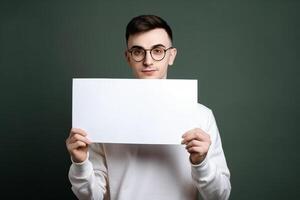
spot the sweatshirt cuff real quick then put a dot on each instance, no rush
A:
(203, 171)
(82, 168)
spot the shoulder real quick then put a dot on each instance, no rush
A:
(204, 111)
(205, 115)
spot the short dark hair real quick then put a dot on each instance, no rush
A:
(144, 23)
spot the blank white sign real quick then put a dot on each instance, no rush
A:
(140, 111)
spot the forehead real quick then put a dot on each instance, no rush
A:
(149, 38)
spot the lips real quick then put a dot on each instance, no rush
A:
(149, 70)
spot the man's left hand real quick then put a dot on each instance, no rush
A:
(197, 144)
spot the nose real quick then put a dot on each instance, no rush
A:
(148, 59)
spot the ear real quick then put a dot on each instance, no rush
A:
(173, 53)
(127, 57)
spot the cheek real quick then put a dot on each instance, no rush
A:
(131, 63)
(164, 65)
(134, 66)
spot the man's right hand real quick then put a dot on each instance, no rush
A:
(77, 145)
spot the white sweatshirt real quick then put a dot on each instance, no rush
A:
(153, 172)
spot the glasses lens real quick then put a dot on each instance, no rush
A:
(158, 53)
(138, 54)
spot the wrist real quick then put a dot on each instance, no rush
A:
(79, 160)
(76, 160)
(197, 160)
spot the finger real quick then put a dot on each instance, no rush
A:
(202, 148)
(77, 131)
(195, 135)
(198, 150)
(76, 145)
(192, 131)
(201, 151)
(78, 137)
(195, 143)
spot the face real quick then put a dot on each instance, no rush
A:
(148, 68)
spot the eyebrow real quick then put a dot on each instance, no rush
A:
(154, 46)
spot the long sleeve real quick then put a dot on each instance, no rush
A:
(212, 176)
(89, 178)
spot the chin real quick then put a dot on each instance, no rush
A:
(144, 76)
(150, 77)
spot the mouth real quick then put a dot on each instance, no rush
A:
(149, 70)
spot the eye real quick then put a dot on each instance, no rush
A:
(137, 52)
(157, 51)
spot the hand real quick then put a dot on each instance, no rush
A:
(77, 145)
(197, 144)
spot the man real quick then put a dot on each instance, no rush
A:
(151, 172)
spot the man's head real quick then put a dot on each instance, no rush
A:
(149, 46)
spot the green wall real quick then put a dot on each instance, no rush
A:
(245, 55)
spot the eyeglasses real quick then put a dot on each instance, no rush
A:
(157, 53)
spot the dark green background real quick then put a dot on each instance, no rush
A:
(245, 55)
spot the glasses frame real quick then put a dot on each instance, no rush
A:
(145, 52)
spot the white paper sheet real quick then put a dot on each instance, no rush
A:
(140, 111)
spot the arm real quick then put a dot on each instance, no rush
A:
(209, 169)
(89, 177)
